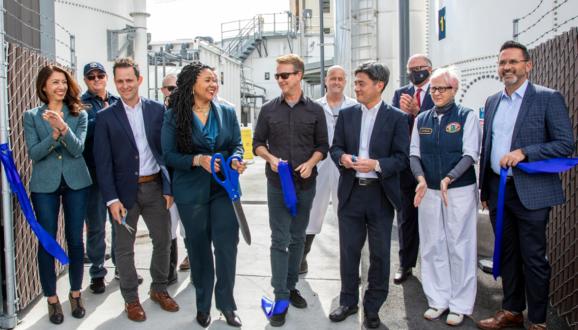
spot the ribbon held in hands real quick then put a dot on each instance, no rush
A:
(48, 242)
(551, 166)
(285, 174)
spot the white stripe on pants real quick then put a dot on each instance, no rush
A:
(448, 248)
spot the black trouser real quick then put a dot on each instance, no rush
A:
(369, 214)
(525, 269)
(407, 223)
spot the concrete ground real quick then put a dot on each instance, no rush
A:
(403, 309)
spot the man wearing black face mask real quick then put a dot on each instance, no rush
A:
(413, 99)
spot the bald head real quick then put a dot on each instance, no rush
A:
(419, 69)
(169, 83)
(335, 81)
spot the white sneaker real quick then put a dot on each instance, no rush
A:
(455, 319)
(433, 313)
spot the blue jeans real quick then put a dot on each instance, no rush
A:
(47, 208)
(95, 231)
(287, 238)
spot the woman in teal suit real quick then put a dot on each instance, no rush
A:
(54, 134)
(195, 128)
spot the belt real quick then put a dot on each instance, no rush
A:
(366, 181)
(149, 178)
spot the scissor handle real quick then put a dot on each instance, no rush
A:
(225, 174)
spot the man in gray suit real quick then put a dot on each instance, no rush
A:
(524, 123)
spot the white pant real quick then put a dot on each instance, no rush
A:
(176, 221)
(325, 189)
(448, 248)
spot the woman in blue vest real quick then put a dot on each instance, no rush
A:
(195, 128)
(445, 145)
(55, 134)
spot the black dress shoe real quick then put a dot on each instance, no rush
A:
(278, 320)
(97, 285)
(232, 318)
(204, 319)
(371, 320)
(297, 299)
(401, 275)
(342, 312)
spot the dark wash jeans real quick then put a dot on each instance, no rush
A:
(47, 208)
(287, 238)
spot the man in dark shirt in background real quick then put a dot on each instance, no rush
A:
(95, 99)
(292, 128)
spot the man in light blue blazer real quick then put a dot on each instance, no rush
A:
(524, 123)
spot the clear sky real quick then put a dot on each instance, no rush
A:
(186, 19)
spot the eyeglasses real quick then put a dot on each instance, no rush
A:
(170, 88)
(418, 68)
(284, 75)
(510, 62)
(100, 76)
(440, 89)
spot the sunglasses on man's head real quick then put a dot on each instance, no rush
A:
(100, 76)
(170, 88)
(284, 75)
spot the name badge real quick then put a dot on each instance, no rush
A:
(453, 127)
(425, 130)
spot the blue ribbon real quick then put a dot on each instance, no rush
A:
(48, 242)
(271, 307)
(287, 186)
(553, 165)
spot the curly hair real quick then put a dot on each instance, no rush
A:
(181, 101)
(72, 97)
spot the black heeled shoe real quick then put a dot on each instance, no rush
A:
(232, 318)
(204, 319)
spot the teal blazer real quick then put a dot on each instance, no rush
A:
(52, 160)
(192, 185)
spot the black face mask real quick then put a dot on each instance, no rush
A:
(417, 77)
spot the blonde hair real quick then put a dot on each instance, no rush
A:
(294, 59)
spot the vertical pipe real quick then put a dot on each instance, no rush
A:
(321, 51)
(403, 40)
(157, 76)
(515, 27)
(8, 319)
(73, 53)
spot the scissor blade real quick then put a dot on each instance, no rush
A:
(243, 225)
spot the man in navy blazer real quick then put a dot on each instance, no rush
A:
(134, 182)
(524, 123)
(370, 147)
(413, 99)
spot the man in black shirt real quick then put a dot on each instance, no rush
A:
(290, 127)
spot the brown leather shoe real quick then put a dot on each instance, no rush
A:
(135, 312)
(502, 319)
(162, 298)
(541, 326)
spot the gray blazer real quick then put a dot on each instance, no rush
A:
(543, 130)
(52, 160)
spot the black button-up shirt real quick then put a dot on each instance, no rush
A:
(292, 134)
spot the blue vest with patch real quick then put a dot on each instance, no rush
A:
(440, 143)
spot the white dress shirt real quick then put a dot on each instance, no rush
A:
(367, 121)
(148, 165)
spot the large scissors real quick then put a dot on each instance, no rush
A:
(231, 185)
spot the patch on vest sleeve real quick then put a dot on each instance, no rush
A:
(425, 130)
(453, 127)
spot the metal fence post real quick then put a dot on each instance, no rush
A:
(8, 319)
(515, 23)
(73, 53)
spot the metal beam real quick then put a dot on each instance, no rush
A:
(403, 40)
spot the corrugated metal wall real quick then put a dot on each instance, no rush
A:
(556, 66)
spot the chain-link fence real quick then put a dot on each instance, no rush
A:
(556, 66)
(28, 41)
(23, 66)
